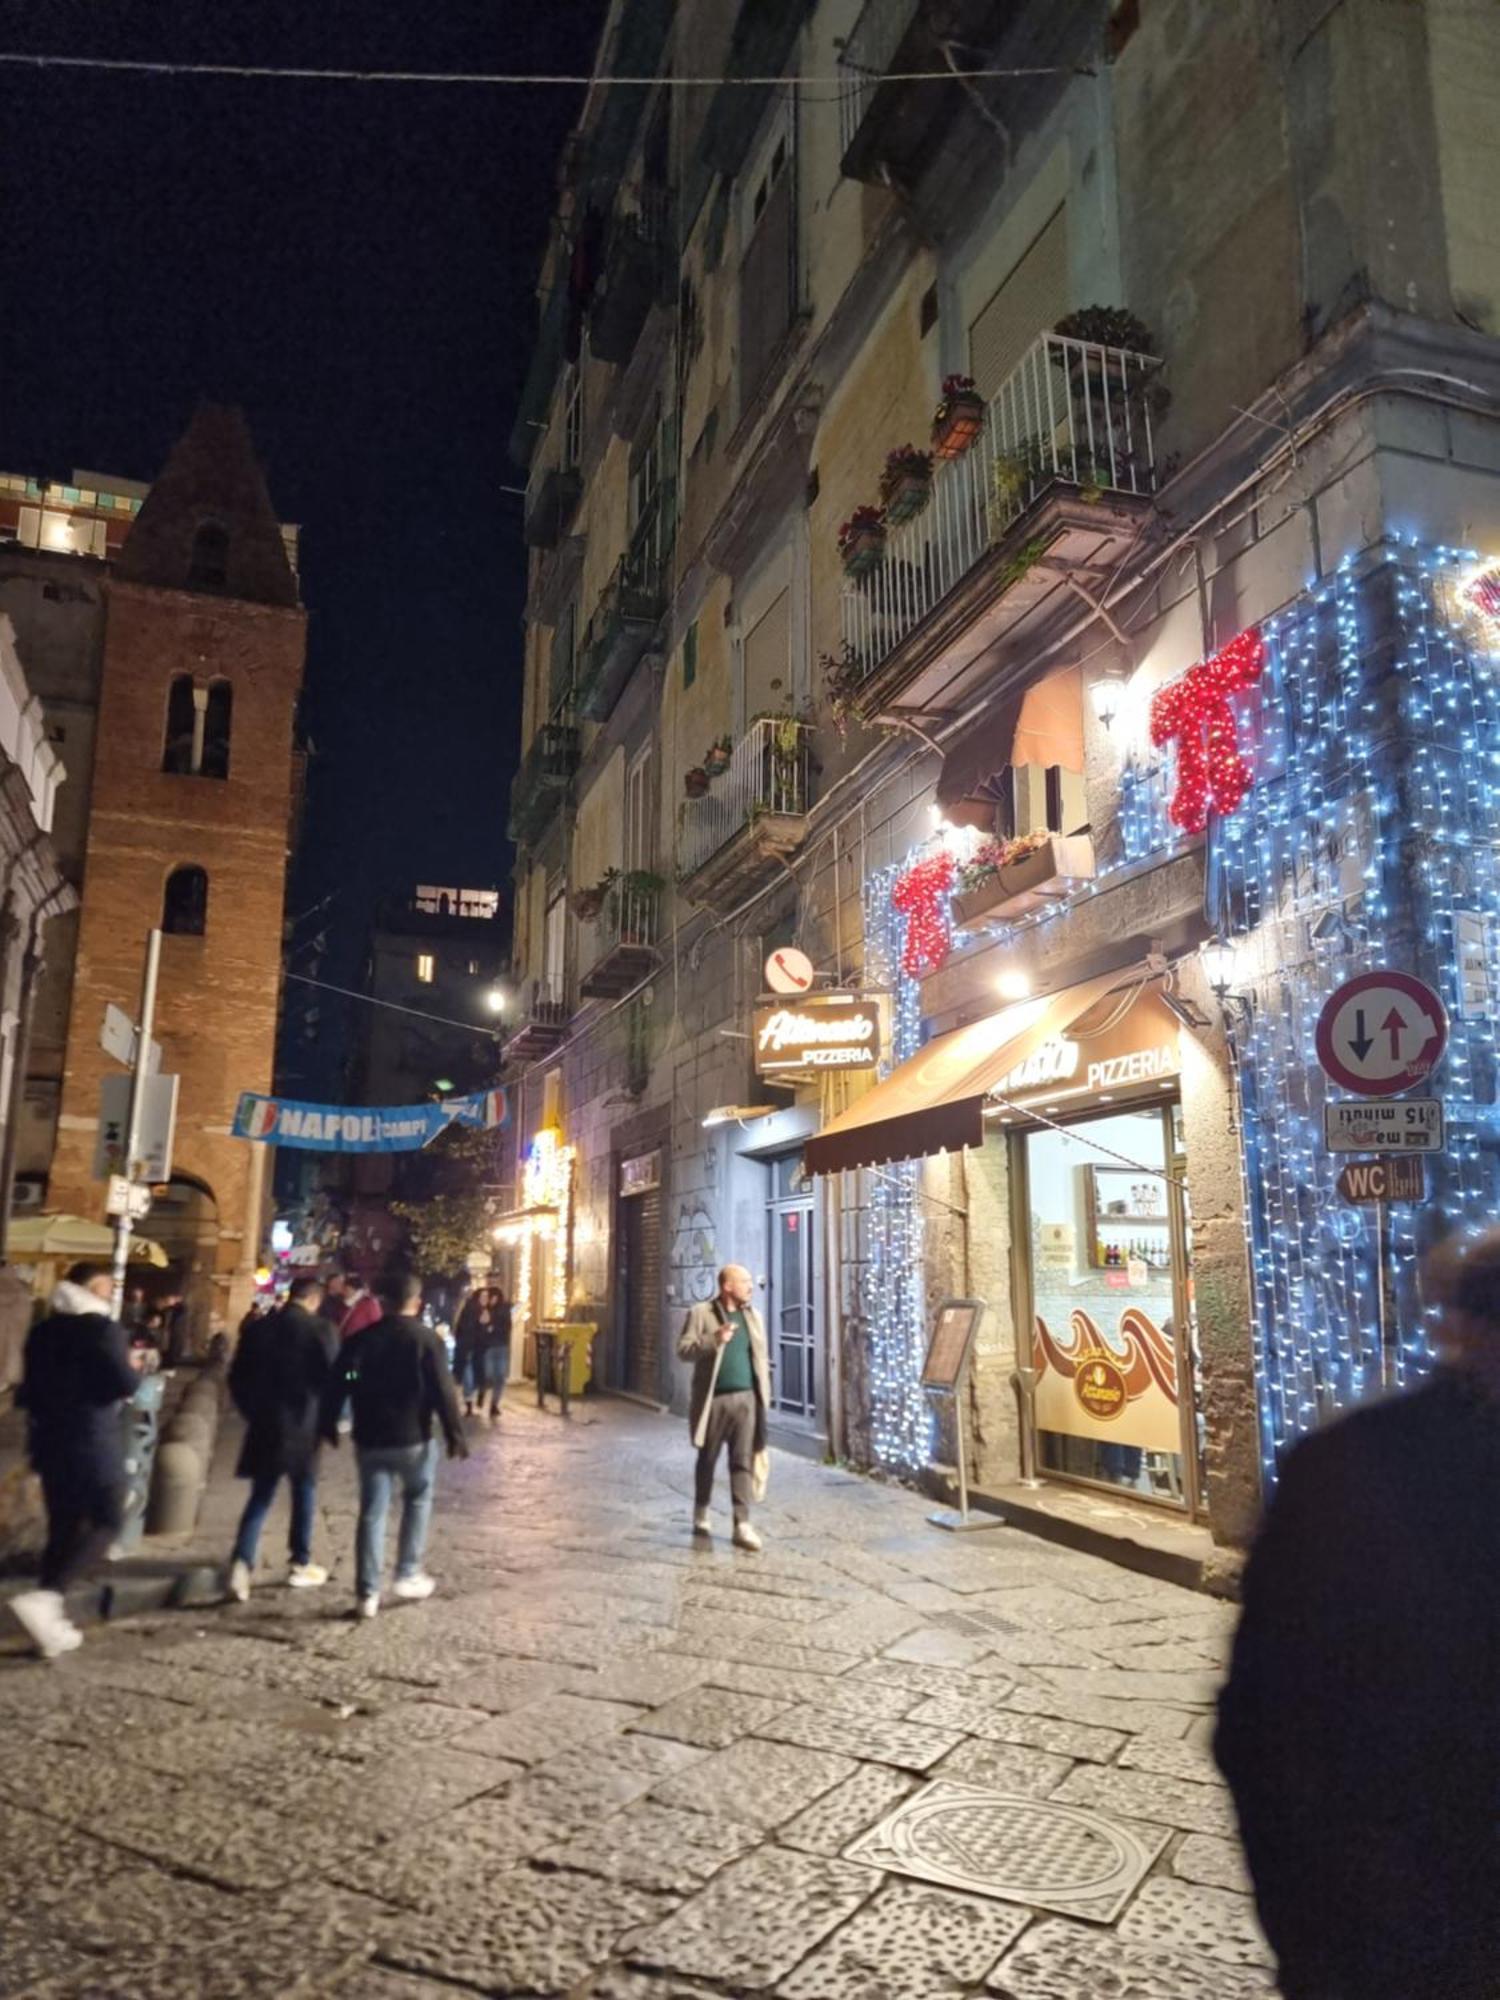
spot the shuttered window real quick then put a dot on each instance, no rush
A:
(767, 281)
(1030, 302)
(768, 658)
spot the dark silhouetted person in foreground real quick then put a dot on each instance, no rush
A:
(78, 1372)
(1360, 1728)
(396, 1373)
(278, 1379)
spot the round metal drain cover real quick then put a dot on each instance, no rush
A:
(1023, 1850)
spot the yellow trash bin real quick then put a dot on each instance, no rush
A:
(578, 1337)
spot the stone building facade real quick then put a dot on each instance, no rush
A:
(170, 664)
(1243, 510)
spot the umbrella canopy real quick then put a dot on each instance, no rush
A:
(74, 1236)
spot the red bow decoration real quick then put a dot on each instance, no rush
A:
(922, 892)
(1484, 593)
(1194, 712)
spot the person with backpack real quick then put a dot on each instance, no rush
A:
(278, 1377)
(396, 1374)
(78, 1373)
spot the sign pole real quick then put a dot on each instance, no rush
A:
(1387, 1371)
(138, 1074)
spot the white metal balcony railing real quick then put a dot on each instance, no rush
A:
(1070, 410)
(769, 774)
(546, 1003)
(865, 58)
(628, 918)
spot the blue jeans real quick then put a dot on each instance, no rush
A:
(414, 1467)
(263, 1487)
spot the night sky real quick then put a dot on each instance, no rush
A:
(356, 266)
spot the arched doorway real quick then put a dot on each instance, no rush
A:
(184, 1220)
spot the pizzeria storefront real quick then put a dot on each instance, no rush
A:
(1067, 1110)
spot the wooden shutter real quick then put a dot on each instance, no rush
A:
(1031, 301)
(767, 290)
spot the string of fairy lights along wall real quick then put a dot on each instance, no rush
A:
(1369, 832)
(893, 1294)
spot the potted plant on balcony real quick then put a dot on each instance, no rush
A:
(843, 677)
(862, 541)
(717, 761)
(958, 418)
(1106, 326)
(1008, 878)
(905, 484)
(587, 903)
(695, 782)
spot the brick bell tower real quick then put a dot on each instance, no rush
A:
(189, 826)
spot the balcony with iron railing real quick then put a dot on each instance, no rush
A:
(543, 780)
(622, 626)
(753, 815)
(638, 268)
(541, 1022)
(888, 124)
(623, 947)
(552, 496)
(1053, 484)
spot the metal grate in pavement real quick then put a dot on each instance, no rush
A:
(1055, 1857)
(982, 1622)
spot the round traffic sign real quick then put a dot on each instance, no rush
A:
(789, 971)
(1381, 1033)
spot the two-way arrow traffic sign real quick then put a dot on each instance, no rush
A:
(1404, 1045)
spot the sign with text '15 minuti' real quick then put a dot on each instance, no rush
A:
(1381, 1033)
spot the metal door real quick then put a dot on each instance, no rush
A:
(791, 1320)
(641, 1231)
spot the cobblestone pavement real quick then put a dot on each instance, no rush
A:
(875, 1760)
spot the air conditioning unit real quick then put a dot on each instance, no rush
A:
(27, 1197)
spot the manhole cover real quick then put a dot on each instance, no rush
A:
(1022, 1850)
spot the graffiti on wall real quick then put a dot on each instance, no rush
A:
(694, 1257)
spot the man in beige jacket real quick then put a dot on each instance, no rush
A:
(726, 1343)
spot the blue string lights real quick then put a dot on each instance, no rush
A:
(1367, 843)
(894, 1296)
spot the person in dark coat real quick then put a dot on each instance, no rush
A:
(396, 1373)
(77, 1373)
(278, 1378)
(1360, 1726)
(481, 1359)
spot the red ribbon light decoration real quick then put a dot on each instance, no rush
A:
(922, 893)
(1193, 711)
(1483, 592)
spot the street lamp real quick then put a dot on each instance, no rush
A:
(497, 999)
(1108, 696)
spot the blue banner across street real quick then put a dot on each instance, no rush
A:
(373, 1128)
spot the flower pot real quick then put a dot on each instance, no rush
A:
(1046, 875)
(586, 906)
(695, 783)
(716, 763)
(908, 497)
(958, 422)
(864, 551)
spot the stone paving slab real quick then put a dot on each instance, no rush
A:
(1217, 1863)
(1131, 1718)
(1005, 1767)
(910, 1940)
(656, 1847)
(762, 1784)
(1144, 1795)
(830, 1823)
(1057, 1960)
(542, 1933)
(1184, 1916)
(1002, 1725)
(905, 1744)
(713, 1718)
(756, 1920)
(532, 1734)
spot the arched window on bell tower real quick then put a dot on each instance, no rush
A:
(208, 566)
(184, 903)
(218, 713)
(181, 730)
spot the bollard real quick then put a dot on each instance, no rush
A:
(1024, 1382)
(175, 1489)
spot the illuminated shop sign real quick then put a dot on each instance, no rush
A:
(820, 1031)
(440, 902)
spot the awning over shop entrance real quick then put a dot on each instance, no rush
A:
(934, 1102)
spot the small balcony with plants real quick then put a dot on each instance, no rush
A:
(541, 1021)
(745, 807)
(621, 629)
(980, 538)
(543, 781)
(618, 918)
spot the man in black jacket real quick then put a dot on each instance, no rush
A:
(1360, 1727)
(77, 1372)
(396, 1372)
(278, 1379)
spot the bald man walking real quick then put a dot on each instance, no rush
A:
(726, 1343)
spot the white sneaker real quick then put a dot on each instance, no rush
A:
(306, 1576)
(745, 1536)
(239, 1582)
(703, 1522)
(414, 1587)
(47, 1625)
(366, 1607)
